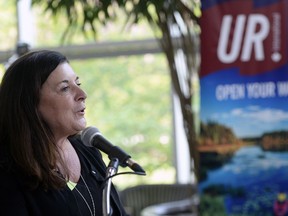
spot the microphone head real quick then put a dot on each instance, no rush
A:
(88, 134)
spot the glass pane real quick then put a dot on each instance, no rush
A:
(129, 101)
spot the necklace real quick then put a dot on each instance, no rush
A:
(90, 194)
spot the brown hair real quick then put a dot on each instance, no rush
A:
(26, 141)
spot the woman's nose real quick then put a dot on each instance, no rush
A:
(81, 94)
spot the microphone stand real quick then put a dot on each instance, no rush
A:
(111, 170)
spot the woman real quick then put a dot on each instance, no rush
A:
(45, 168)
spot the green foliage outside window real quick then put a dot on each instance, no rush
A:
(129, 102)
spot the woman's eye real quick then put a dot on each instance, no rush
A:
(65, 88)
(79, 84)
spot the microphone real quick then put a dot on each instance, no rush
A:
(91, 136)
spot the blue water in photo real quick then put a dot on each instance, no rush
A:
(261, 174)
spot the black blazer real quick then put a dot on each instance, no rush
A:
(16, 200)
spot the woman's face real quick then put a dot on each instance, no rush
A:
(62, 102)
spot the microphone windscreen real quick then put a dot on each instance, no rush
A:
(88, 134)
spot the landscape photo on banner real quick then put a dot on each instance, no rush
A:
(243, 142)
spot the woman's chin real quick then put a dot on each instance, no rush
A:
(81, 125)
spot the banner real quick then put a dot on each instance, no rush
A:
(244, 107)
